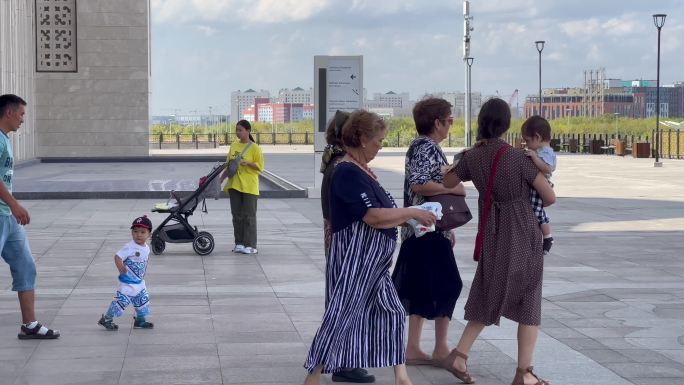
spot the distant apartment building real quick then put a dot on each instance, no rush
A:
(671, 99)
(258, 102)
(249, 114)
(400, 104)
(277, 112)
(391, 100)
(296, 95)
(571, 102)
(458, 101)
(239, 101)
(601, 96)
(188, 120)
(308, 112)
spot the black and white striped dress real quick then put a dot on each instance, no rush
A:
(363, 324)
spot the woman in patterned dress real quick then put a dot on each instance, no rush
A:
(426, 275)
(508, 279)
(363, 324)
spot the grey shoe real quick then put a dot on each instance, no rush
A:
(108, 323)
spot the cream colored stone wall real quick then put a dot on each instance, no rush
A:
(17, 63)
(102, 109)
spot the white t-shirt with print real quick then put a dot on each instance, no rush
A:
(134, 257)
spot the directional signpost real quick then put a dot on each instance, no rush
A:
(338, 85)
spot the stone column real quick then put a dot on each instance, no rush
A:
(17, 58)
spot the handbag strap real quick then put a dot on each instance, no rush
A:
(488, 201)
(244, 150)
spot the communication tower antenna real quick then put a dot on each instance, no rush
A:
(467, 60)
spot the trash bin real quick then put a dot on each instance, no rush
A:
(555, 144)
(641, 150)
(595, 146)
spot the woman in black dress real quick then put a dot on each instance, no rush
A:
(426, 275)
(363, 324)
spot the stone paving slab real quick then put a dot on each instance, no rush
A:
(613, 307)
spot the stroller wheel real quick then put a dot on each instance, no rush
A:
(203, 243)
(158, 245)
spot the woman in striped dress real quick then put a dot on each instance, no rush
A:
(363, 324)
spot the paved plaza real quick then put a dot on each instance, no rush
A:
(613, 309)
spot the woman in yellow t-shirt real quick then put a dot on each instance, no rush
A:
(243, 188)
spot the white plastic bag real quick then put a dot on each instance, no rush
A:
(420, 230)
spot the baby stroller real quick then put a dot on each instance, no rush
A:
(176, 228)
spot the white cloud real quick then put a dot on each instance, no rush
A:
(207, 30)
(581, 28)
(623, 26)
(671, 40)
(361, 43)
(274, 11)
(168, 10)
(595, 54)
(235, 11)
(515, 28)
(408, 45)
(384, 6)
(338, 50)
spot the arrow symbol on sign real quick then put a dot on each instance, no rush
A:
(353, 77)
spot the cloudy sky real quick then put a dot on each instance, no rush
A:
(204, 49)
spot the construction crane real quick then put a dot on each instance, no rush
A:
(514, 95)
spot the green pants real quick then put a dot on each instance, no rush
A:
(243, 207)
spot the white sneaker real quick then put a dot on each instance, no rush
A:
(239, 249)
(249, 250)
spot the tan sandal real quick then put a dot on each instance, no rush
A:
(519, 378)
(448, 364)
(419, 361)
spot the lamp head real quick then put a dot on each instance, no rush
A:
(469, 61)
(659, 20)
(540, 45)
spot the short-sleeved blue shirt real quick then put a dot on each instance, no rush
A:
(547, 155)
(352, 193)
(6, 169)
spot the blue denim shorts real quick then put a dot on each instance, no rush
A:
(15, 251)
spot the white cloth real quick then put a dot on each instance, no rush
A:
(420, 230)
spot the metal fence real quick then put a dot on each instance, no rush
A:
(178, 141)
(671, 142)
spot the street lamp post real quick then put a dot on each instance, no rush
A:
(540, 48)
(659, 21)
(209, 122)
(617, 132)
(469, 107)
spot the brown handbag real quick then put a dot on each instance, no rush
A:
(455, 211)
